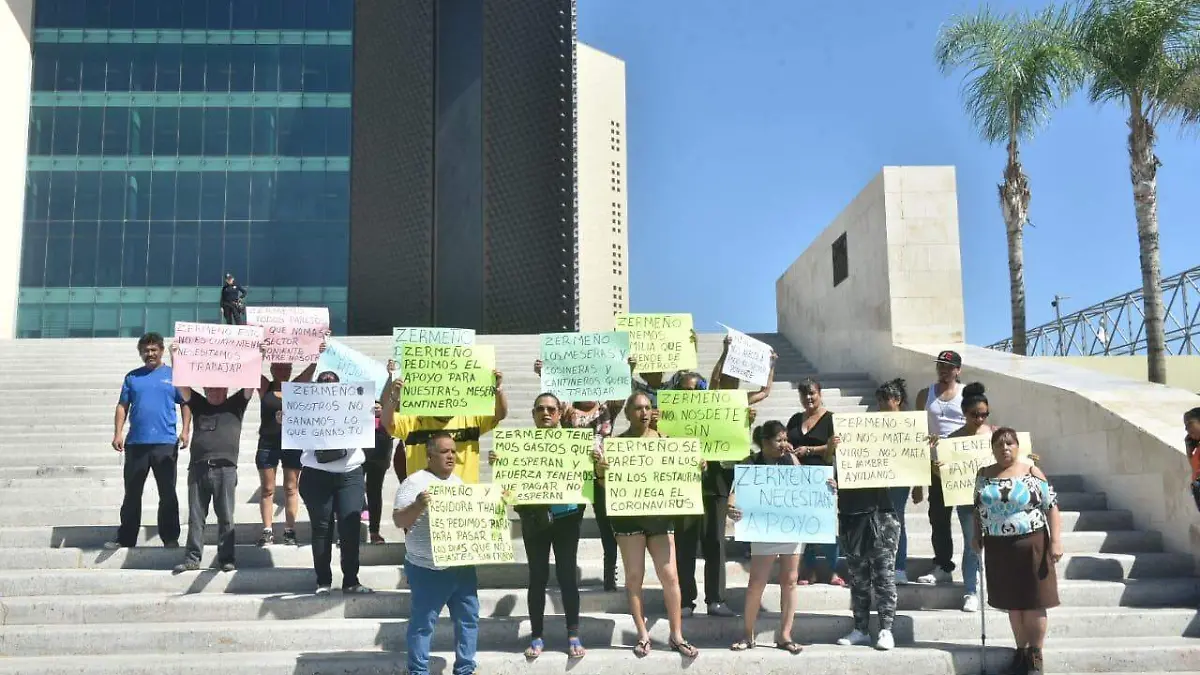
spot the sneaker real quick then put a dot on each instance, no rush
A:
(228, 567)
(266, 538)
(687, 612)
(323, 590)
(937, 576)
(289, 538)
(1033, 657)
(856, 638)
(187, 566)
(170, 543)
(885, 642)
(720, 609)
(113, 545)
(901, 577)
(970, 603)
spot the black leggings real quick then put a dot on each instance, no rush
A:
(607, 539)
(563, 536)
(375, 473)
(333, 499)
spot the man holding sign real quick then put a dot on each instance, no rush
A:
(433, 587)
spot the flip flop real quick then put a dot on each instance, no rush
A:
(789, 646)
(535, 649)
(642, 648)
(684, 648)
(575, 648)
(743, 645)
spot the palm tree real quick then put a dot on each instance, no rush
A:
(1018, 68)
(1145, 54)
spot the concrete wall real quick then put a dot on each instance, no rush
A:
(603, 194)
(16, 33)
(1183, 372)
(895, 312)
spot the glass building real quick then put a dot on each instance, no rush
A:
(172, 141)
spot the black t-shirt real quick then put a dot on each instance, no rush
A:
(818, 435)
(231, 294)
(270, 431)
(760, 458)
(217, 429)
(863, 500)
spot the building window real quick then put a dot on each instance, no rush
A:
(841, 263)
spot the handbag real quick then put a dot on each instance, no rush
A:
(327, 456)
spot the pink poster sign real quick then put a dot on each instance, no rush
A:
(216, 355)
(293, 334)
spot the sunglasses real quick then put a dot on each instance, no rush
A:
(545, 408)
(980, 415)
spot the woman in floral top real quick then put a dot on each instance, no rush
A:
(1018, 527)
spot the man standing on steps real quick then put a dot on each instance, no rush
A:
(432, 587)
(148, 401)
(233, 302)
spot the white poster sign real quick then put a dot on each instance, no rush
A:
(328, 415)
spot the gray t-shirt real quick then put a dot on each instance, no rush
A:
(418, 549)
(217, 429)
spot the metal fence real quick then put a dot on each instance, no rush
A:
(1117, 326)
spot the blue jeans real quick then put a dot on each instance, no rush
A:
(970, 559)
(828, 551)
(899, 502)
(430, 591)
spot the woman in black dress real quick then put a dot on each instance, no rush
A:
(809, 433)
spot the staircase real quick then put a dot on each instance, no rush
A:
(67, 606)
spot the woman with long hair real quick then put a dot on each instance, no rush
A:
(892, 396)
(271, 454)
(809, 433)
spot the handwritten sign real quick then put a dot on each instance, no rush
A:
(748, 360)
(586, 366)
(661, 343)
(352, 365)
(216, 355)
(442, 381)
(962, 458)
(451, 337)
(468, 525)
(293, 334)
(882, 449)
(791, 504)
(545, 466)
(716, 417)
(328, 415)
(652, 476)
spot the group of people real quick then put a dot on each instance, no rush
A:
(1014, 517)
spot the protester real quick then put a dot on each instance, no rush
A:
(217, 414)
(464, 429)
(638, 534)
(892, 397)
(774, 449)
(1191, 424)
(650, 383)
(551, 527)
(148, 401)
(233, 302)
(869, 530)
(432, 588)
(1019, 529)
(942, 402)
(331, 486)
(809, 433)
(975, 407)
(724, 381)
(271, 454)
(379, 458)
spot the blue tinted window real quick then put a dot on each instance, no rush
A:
(216, 63)
(211, 236)
(269, 15)
(118, 68)
(33, 254)
(144, 60)
(45, 66)
(45, 14)
(336, 199)
(195, 13)
(192, 70)
(337, 132)
(115, 139)
(216, 131)
(241, 68)
(341, 14)
(220, 14)
(212, 195)
(263, 141)
(95, 14)
(58, 255)
(133, 268)
(112, 195)
(170, 14)
(266, 69)
(141, 131)
(66, 131)
(289, 130)
(187, 254)
(62, 195)
(108, 254)
(166, 131)
(262, 195)
(70, 66)
(94, 72)
(291, 68)
(37, 195)
(146, 13)
(137, 198)
(338, 69)
(91, 130)
(41, 130)
(162, 195)
(243, 15)
(241, 129)
(120, 13)
(168, 65)
(187, 196)
(159, 253)
(237, 196)
(237, 249)
(191, 131)
(292, 17)
(83, 254)
(87, 195)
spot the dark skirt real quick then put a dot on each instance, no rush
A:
(1020, 573)
(650, 526)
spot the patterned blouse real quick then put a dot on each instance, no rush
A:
(1009, 507)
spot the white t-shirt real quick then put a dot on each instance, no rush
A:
(418, 549)
(352, 460)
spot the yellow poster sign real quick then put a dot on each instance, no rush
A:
(661, 343)
(448, 380)
(653, 476)
(882, 449)
(717, 417)
(545, 466)
(468, 525)
(961, 459)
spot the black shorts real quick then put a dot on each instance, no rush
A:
(270, 459)
(650, 526)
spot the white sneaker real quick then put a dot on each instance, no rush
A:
(970, 603)
(937, 576)
(901, 577)
(323, 590)
(885, 641)
(856, 638)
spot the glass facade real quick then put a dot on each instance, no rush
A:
(172, 141)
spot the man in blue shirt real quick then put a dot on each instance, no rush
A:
(148, 401)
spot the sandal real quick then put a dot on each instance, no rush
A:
(684, 648)
(742, 645)
(575, 648)
(642, 648)
(835, 580)
(536, 646)
(789, 646)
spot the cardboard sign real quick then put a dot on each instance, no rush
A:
(217, 355)
(328, 415)
(443, 381)
(586, 366)
(661, 343)
(652, 476)
(717, 417)
(468, 525)
(785, 504)
(293, 334)
(882, 449)
(545, 466)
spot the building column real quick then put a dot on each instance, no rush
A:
(16, 35)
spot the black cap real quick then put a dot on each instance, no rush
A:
(950, 358)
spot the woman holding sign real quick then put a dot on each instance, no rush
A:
(271, 453)
(809, 433)
(774, 448)
(1019, 528)
(638, 534)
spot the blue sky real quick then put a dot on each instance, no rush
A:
(751, 124)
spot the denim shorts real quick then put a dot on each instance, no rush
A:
(270, 459)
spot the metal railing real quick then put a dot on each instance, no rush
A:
(1116, 327)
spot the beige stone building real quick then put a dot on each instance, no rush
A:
(603, 241)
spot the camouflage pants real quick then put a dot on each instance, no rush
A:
(869, 541)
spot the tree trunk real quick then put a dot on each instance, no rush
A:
(1143, 172)
(1014, 207)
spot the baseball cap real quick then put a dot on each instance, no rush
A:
(950, 358)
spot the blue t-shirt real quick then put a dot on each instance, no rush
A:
(152, 400)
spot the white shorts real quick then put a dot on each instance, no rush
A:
(770, 548)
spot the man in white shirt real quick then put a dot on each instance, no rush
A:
(431, 587)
